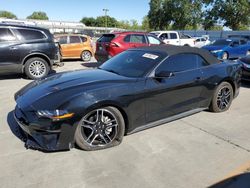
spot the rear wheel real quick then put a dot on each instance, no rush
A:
(36, 68)
(225, 55)
(223, 97)
(99, 129)
(86, 55)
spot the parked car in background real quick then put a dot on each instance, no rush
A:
(75, 46)
(174, 38)
(247, 37)
(28, 50)
(232, 48)
(246, 68)
(135, 90)
(201, 41)
(109, 45)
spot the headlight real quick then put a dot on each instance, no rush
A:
(216, 51)
(55, 115)
(246, 65)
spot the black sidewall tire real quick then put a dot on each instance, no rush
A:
(227, 56)
(88, 58)
(213, 106)
(27, 64)
(121, 131)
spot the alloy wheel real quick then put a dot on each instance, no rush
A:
(224, 98)
(225, 56)
(86, 56)
(37, 68)
(99, 127)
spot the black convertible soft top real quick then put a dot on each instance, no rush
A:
(173, 50)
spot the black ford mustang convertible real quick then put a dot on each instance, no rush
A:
(138, 89)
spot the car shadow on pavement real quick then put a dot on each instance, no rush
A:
(12, 76)
(238, 181)
(91, 64)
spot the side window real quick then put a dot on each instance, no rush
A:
(84, 39)
(74, 39)
(173, 36)
(127, 38)
(135, 38)
(153, 40)
(235, 43)
(179, 62)
(201, 62)
(31, 34)
(203, 40)
(62, 40)
(164, 36)
(6, 35)
(243, 42)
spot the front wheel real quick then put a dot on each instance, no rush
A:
(99, 129)
(36, 68)
(222, 99)
(224, 55)
(86, 55)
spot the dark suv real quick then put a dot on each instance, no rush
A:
(109, 45)
(29, 50)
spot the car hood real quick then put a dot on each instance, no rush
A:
(60, 87)
(212, 48)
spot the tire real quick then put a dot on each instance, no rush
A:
(186, 45)
(41, 66)
(224, 56)
(86, 55)
(94, 132)
(222, 98)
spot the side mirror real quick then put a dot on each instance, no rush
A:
(163, 74)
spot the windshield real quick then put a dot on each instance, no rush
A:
(155, 33)
(133, 63)
(106, 38)
(221, 42)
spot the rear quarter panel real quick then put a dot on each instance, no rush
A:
(213, 75)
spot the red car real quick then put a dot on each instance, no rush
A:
(109, 45)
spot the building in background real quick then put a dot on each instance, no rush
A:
(62, 26)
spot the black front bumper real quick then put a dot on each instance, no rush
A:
(245, 75)
(44, 139)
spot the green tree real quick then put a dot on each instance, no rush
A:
(180, 14)
(234, 14)
(7, 14)
(156, 15)
(89, 21)
(38, 16)
(145, 24)
(134, 25)
(124, 24)
(101, 21)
